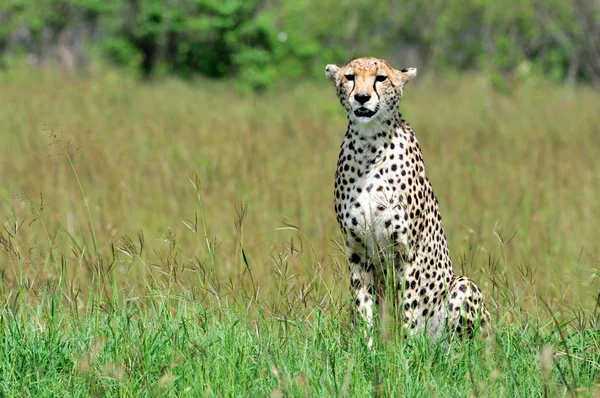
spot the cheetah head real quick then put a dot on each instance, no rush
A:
(369, 88)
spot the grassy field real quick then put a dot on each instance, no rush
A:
(179, 238)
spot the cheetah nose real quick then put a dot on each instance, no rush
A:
(362, 98)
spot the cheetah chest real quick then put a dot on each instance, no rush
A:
(373, 210)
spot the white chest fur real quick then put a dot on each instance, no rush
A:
(370, 198)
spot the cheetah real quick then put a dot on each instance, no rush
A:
(388, 213)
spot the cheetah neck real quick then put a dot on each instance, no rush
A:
(369, 141)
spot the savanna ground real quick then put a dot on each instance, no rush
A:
(179, 238)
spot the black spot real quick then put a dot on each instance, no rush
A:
(355, 258)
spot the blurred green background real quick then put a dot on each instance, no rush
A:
(261, 42)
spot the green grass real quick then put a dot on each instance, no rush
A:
(161, 346)
(179, 238)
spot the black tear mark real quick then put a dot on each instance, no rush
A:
(375, 89)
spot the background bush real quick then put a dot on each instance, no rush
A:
(258, 41)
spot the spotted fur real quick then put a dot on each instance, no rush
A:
(387, 210)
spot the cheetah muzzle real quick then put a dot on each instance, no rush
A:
(364, 112)
(388, 213)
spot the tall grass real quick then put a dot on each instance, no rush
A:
(179, 237)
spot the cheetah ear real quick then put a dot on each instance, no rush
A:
(405, 74)
(331, 71)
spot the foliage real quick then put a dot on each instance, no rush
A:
(214, 38)
(259, 42)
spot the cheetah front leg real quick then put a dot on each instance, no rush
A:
(465, 308)
(363, 291)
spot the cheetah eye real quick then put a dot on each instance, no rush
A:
(381, 78)
(349, 77)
